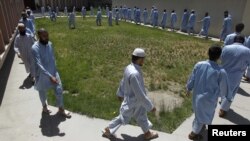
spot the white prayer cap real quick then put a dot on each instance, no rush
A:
(139, 52)
(20, 25)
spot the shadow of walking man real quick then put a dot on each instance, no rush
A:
(129, 138)
(49, 125)
(27, 83)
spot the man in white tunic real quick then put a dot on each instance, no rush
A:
(46, 74)
(235, 59)
(22, 47)
(135, 103)
(207, 81)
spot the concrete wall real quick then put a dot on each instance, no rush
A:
(10, 13)
(237, 9)
(70, 3)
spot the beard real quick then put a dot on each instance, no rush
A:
(22, 33)
(44, 42)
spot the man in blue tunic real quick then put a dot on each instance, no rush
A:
(72, 22)
(110, 18)
(83, 11)
(135, 103)
(207, 81)
(227, 26)
(99, 18)
(173, 20)
(129, 14)
(191, 22)
(152, 16)
(247, 75)
(117, 17)
(46, 74)
(184, 21)
(138, 16)
(164, 19)
(145, 16)
(155, 23)
(65, 11)
(205, 25)
(91, 11)
(230, 38)
(27, 22)
(235, 59)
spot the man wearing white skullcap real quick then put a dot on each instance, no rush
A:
(135, 102)
(22, 46)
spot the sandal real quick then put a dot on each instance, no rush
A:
(106, 134)
(193, 136)
(151, 136)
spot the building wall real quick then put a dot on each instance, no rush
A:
(237, 9)
(10, 13)
(70, 3)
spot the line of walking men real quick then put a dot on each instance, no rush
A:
(208, 80)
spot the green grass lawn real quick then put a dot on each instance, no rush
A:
(91, 60)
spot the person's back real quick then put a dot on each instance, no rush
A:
(173, 17)
(235, 58)
(208, 80)
(206, 23)
(99, 15)
(230, 38)
(247, 42)
(191, 20)
(207, 72)
(228, 24)
(71, 17)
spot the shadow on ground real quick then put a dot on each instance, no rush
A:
(243, 92)
(236, 118)
(49, 125)
(128, 138)
(5, 72)
(27, 83)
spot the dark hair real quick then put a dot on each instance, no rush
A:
(185, 10)
(214, 52)
(193, 12)
(135, 58)
(173, 11)
(239, 27)
(226, 13)
(164, 10)
(239, 39)
(206, 14)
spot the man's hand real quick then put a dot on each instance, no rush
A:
(153, 110)
(53, 80)
(188, 93)
(120, 98)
